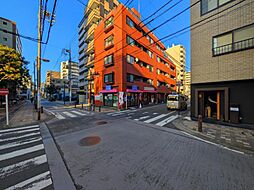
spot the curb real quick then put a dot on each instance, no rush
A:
(59, 173)
(200, 136)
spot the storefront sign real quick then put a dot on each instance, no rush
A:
(97, 97)
(149, 88)
(108, 87)
(4, 91)
(134, 87)
(121, 100)
(81, 98)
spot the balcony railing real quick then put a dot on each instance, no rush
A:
(233, 47)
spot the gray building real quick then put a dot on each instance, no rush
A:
(222, 60)
(10, 40)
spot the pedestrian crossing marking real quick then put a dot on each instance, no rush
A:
(155, 113)
(21, 131)
(59, 116)
(20, 137)
(38, 182)
(21, 152)
(144, 117)
(15, 144)
(19, 128)
(76, 112)
(156, 118)
(166, 121)
(69, 114)
(15, 168)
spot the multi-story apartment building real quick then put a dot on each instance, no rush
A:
(96, 10)
(8, 39)
(177, 55)
(70, 72)
(187, 84)
(51, 75)
(222, 58)
(130, 62)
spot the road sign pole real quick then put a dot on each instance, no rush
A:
(7, 111)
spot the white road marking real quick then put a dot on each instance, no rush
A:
(22, 131)
(38, 182)
(19, 128)
(20, 166)
(69, 114)
(155, 113)
(144, 117)
(78, 113)
(14, 144)
(20, 137)
(59, 116)
(156, 118)
(21, 152)
(167, 120)
(145, 112)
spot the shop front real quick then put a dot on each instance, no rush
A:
(133, 97)
(149, 96)
(110, 97)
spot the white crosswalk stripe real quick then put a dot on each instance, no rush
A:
(23, 155)
(78, 113)
(69, 114)
(156, 118)
(144, 117)
(167, 120)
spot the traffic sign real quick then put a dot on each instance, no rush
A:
(4, 91)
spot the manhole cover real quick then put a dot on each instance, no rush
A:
(89, 141)
(101, 122)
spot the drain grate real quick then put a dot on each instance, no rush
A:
(101, 122)
(89, 141)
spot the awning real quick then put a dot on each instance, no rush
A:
(149, 91)
(135, 91)
(109, 91)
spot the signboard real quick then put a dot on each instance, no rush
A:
(134, 87)
(121, 98)
(4, 91)
(108, 87)
(149, 88)
(81, 98)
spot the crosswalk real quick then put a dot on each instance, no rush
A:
(69, 113)
(147, 117)
(23, 162)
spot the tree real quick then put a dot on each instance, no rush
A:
(50, 89)
(13, 70)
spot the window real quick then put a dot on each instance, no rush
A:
(109, 22)
(158, 59)
(5, 39)
(130, 41)
(130, 22)
(109, 41)
(236, 40)
(150, 53)
(209, 5)
(109, 78)
(130, 59)
(130, 78)
(4, 23)
(109, 60)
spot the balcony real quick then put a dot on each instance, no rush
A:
(94, 16)
(90, 47)
(234, 47)
(92, 4)
(90, 32)
(90, 61)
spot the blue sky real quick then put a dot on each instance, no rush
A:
(64, 33)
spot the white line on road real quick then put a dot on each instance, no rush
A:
(22, 131)
(20, 166)
(19, 128)
(144, 117)
(59, 116)
(38, 182)
(155, 113)
(156, 118)
(167, 120)
(69, 114)
(20, 137)
(145, 112)
(78, 113)
(21, 152)
(14, 144)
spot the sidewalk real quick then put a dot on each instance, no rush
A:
(231, 137)
(26, 115)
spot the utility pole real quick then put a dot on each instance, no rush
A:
(69, 71)
(39, 62)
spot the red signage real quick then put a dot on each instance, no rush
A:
(4, 91)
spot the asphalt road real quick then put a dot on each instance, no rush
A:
(133, 154)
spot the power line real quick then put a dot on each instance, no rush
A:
(20, 35)
(44, 16)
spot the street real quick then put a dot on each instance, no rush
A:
(124, 153)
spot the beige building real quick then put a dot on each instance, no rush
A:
(222, 60)
(93, 14)
(10, 40)
(177, 54)
(188, 84)
(51, 76)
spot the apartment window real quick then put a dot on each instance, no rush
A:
(150, 53)
(130, 41)
(4, 23)
(109, 78)
(130, 78)
(235, 40)
(158, 59)
(130, 22)
(109, 60)
(5, 39)
(109, 22)
(209, 5)
(109, 41)
(130, 59)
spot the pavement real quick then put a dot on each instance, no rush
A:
(239, 139)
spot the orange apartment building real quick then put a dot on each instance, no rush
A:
(128, 66)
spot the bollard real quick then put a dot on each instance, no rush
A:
(199, 123)
(99, 108)
(75, 105)
(41, 109)
(82, 106)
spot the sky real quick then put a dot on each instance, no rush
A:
(64, 33)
